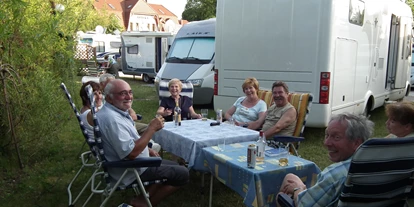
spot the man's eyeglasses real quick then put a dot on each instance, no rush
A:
(124, 93)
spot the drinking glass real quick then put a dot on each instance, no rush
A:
(204, 114)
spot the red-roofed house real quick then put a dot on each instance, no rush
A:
(138, 15)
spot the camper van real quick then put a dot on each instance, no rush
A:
(143, 53)
(103, 43)
(191, 59)
(352, 55)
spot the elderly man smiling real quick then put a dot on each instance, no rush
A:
(344, 134)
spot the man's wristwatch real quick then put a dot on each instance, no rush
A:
(295, 189)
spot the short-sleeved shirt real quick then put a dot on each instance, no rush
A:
(328, 187)
(245, 114)
(118, 139)
(274, 114)
(169, 103)
(88, 127)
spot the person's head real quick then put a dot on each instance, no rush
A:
(280, 93)
(106, 57)
(345, 133)
(119, 93)
(175, 86)
(400, 118)
(96, 90)
(250, 85)
(104, 79)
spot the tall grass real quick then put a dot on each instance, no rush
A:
(44, 183)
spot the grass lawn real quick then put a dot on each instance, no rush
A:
(44, 182)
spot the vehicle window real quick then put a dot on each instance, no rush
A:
(86, 41)
(132, 49)
(115, 44)
(193, 48)
(100, 46)
(356, 12)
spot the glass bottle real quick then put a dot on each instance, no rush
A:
(261, 145)
(177, 114)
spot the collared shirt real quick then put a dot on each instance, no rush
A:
(328, 187)
(118, 138)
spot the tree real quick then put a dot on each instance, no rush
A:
(196, 10)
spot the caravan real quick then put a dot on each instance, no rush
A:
(191, 59)
(352, 55)
(143, 53)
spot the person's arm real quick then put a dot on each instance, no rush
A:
(193, 113)
(132, 114)
(140, 144)
(258, 123)
(229, 113)
(287, 119)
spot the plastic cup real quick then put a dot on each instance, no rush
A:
(204, 114)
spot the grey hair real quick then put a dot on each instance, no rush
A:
(358, 127)
(108, 89)
(105, 77)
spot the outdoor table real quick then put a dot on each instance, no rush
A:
(258, 186)
(187, 140)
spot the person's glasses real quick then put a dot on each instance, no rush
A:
(125, 93)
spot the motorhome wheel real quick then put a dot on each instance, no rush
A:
(146, 78)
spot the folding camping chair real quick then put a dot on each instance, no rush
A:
(87, 157)
(302, 103)
(128, 165)
(380, 175)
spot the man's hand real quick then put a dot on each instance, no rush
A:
(156, 124)
(153, 153)
(291, 184)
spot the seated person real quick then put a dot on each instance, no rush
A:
(112, 66)
(121, 141)
(247, 110)
(400, 121)
(344, 134)
(281, 117)
(168, 104)
(85, 112)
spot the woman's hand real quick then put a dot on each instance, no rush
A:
(198, 116)
(238, 123)
(167, 112)
(153, 153)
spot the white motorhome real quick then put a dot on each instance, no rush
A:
(103, 43)
(143, 52)
(352, 55)
(191, 59)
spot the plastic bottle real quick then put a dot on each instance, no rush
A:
(177, 114)
(261, 145)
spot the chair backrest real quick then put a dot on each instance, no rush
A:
(302, 103)
(380, 174)
(89, 140)
(187, 90)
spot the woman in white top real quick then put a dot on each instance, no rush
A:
(86, 115)
(247, 110)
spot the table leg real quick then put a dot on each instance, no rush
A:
(202, 188)
(211, 189)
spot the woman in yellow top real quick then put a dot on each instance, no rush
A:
(400, 121)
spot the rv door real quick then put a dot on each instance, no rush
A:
(399, 53)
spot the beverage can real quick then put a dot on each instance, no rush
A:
(219, 115)
(251, 156)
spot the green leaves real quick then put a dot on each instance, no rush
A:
(196, 10)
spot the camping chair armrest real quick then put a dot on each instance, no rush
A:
(285, 201)
(139, 116)
(283, 138)
(136, 163)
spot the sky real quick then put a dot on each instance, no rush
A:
(175, 6)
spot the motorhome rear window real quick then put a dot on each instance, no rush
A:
(115, 44)
(132, 49)
(356, 12)
(193, 48)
